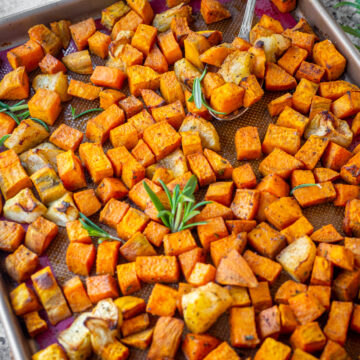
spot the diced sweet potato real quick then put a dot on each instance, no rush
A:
(269, 322)
(353, 245)
(322, 293)
(247, 143)
(76, 295)
(260, 296)
(214, 210)
(173, 113)
(213, 11)
(292, 59)
(11, 236)
(189, 259)
(162, 301)
(107, 257)
(127, 278)
(132, 222)
(311, 152)
(265, 240)
(325, 174)
(212, 231)
(137, 245)
(287, 318)
(111, 188)
(197, 346)
(223, 351)
(28, 55)
(281, 137)
(245, 204)
(82, 31)
(82, 90)
(101, 287)
(80, 258)
(287, 290)
(135, 324)
(108, 77)
(61, 29)
(156, 60)
(313, 195)
(49, 41)
(355, 319)
(346, 285)
(337, 254)
(270, 347)
(308, 337)
(298, 229)
(310, 71)
(109, 97)
(318, 104)
(276, 106)
(87, 202)
(201, 168)
(277, 79)
(303, 95)
(292, 119)
(327, 234)
(99, 44)
(66, 137)
(35, 325)
(15, 85)
(170, 88)
(227, 98)
(76, 232)
(23, 300)
(322, 272)
(169, 47)
(53, 350)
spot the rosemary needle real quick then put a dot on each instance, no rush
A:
(84, 112)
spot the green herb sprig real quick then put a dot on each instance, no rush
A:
(41, 123)
(355, 32)
(96, 231)
(303, 186)
(13, 108)
(73, 112)
(182, 205)
(198, 97)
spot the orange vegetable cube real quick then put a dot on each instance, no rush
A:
(189, 259)
(326, 55)
(274, 185)
(48, 40)
(61, 29)
(308, 337)
(135, 324)
(227, 98)
(325, 174)
(337, 254)
(101, 287)
(346, 285)
(7, 124)
(349, 171)
(151, 99)
(197, 346)
(266, 199)
(243, 332)
(113, 212)
(262, 267)
(99, 44)
(80, 258)
(247, 143)
(35, 325)
(221, 166)
(124, 135)
(178, 243)
(355, 319)
(211, 82)
(169, 47)
(108, 77)
(213, 210)
(292, 59)
(287, 319)
(141, 121)
(70, 170)
(28, 55)
(111, 188)
(260, 296)
(155, 232)
(137, 245)
(212, 231)
(110, 97)
(76, 232)
(132, 222)
(87, 202)
(96, 162)
(277, 79)
(245, 204)
(51, 65)
(156, 60)
(223, 351)
(244, 177)
(334, 89)
(139, 196)
(15, 85)
(190, 142)
(314, 195)
(303, 95)
(82, 31)
(162, 301)
(202, 274)
(287, 290)
(347, 105)
(322, 293)
(130, 22)
(49, 293)
(39, 235)
(143, 154)
(170, 88)
(333, 350)
(127, 278)
(173, 113)
(51, 351)
(253, 91)
(269, 322)
(131, 106)
(298, 229)
(115, 156)
(144, 38)
(107, 257)
(311, 152)
(45, 105)
(292, 119)
(318, 104)
(220, 192)
(21, 264)
(265, 240)
(278, 105)
(353, 245)
(310, 71)
(23, 300)
(284, 7)
(76, 295)
(142, 77)
(82, 90)
(327, 234)
(152, 269)
(66, 137)
(213, 11)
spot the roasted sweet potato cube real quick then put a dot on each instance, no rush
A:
(311, 152)
(142, 77)
(45, 105)
(80, 258)
(213, 11)
(220, 248)
(228, 98)
(281, 137)
(144, 38)
(301, 39)
(23, 300)
(132, 172)
(162, 301)
(131, 106)
(303, 95)
(51, 65)
(35, 325)
(200, 166)
(143, 8)
(21, 264)
(290, 118)
(220, 192)
(178, 243)
(326, 55)
(170, 88)
(325, 174)
(166, 338)
(327, 234)
(96, 162)
(298, 229)
(284, 7)
(107, 257)
(135, 324)
(287, 319)
(99, 44)
(111, 14)
(53, 350)
(318, 104)
(211, 82)
(260, 296)
(266, 198)
(247, 143)
(287, 290)
(101, 287)
(333, 350)
(234, 270)
(310, 71)
(140, 340)
(113, 212)
(76, 232)
(350, 171)
(143, 154)
(197, 346)
(87, 202)
(82, 31)
(334, 89)
(197, 50)
(40, 234)
(108, 77)
(266, 240)
(111, 188)
(244, 177)
(129, 22)
(274, 185)
(137, 245)
(156, 60)
(243, 327)
(277, 79)
(223, 351)
(299, 177)
(173, 113)
(130, 306)
(28, 55)
(139, 196)
(213, 210)
(337, 254)
(353, 244)
(169, 47)
(213, 230)
(11, 235)
(221, 166)
(308, 337)
(189, 259)
(82, 90)
(133, 221)
(292, 59)
(253, 91)
(306, 307)
(141, 121)
(191, 142)
(278, 105)
(241, 44)
(15, 85)
(61, 29)
(270, 23)
(109, 97)
(269, 322)
(155, 232)
(270, 347)
(49, 41)
(240, 296)
(202, 274)
(49, 293)
(245, 204)
(313, 195)
(127, 278)
(262, 267)
(124, 135)
(347, 105)
(7, 124)
(76, 295)
(66, 137)
(338, 321)
(322, 293)
(346, 285)
(322, 272)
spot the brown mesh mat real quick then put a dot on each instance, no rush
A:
(256, 116)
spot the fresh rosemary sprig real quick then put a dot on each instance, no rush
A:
(182, 205)
(41, 123)
(3, 138)
(303, 186)
(84, 112)
(198, 97)
(96, 231)
(13, 108)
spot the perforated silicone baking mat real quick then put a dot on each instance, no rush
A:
(256, 116)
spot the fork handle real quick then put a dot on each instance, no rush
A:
(247, 20)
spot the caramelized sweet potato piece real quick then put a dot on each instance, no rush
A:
(277, 79)
(308, 337)
(76, 295)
